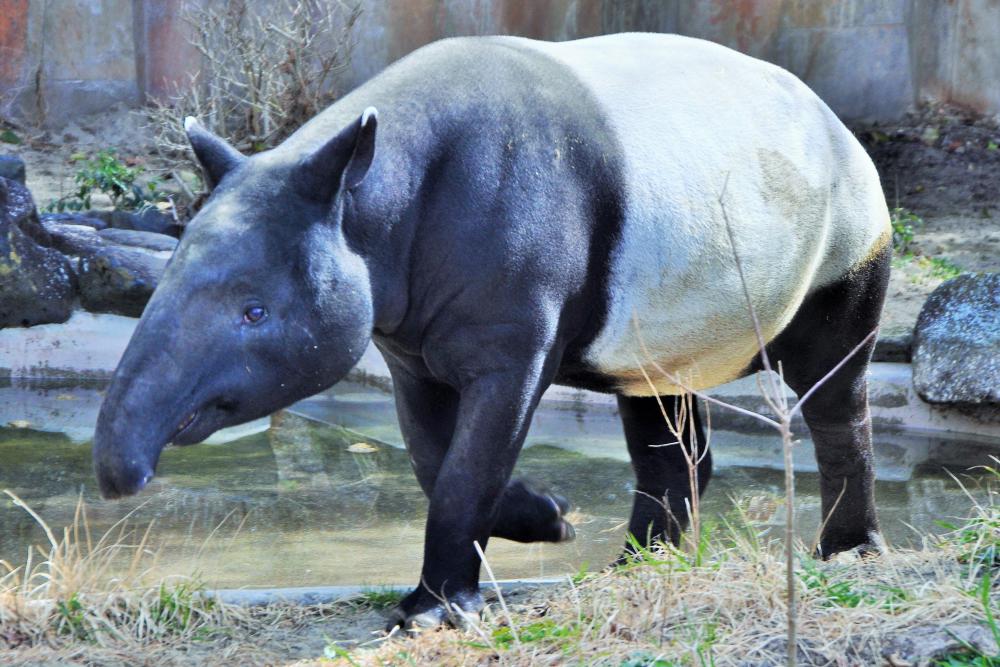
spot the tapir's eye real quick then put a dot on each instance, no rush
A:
(254, 314)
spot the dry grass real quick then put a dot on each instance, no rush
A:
(97, 590)
(720, 602)
(97, 600)
(664, 609)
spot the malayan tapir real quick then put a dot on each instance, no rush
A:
(519, 213)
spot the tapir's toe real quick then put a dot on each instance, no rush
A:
(565, 530)
(567, 533)
(530, 513)
(869, 545)
(561, 504)
(420, 611)
(426, 620)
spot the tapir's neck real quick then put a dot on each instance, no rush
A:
(381, 217)
(416, 131)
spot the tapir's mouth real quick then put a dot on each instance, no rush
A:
(185, 424)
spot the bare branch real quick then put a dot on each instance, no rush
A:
(675, 380)
(761, 343)
(266, 68)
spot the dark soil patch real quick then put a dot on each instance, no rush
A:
(938, 161)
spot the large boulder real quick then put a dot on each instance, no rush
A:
(86, 219)
(147, 240)
(149, 219)
(79, 239)
(73, 240)
(118, 269)
(12, 167)
(956, 343)
(37, 284)
(119, 279)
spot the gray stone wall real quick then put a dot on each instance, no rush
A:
(76, 57)
(869, 59)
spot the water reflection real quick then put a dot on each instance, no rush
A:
(300, 503)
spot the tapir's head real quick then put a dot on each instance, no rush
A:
(262, 304)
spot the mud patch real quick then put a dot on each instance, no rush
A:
(938, 161)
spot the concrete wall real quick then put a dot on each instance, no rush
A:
(956, 51)
(66, 57)
(869, 59)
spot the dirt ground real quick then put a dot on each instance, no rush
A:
(275, 635)
(939, 163)
(266, 636)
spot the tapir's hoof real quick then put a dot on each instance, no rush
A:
(871, 546)
(420, 611)
(533, 514)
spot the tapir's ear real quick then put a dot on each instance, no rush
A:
(216, 156)
(343, 161)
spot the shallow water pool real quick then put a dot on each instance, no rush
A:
(289, 502)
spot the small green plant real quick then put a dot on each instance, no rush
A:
(538, 631)
(835, 593)
(646, 659)
(840, 588)
(978, 538)
(904, 227)
(978, 545)
(941, 267)
(692, 554)
(581, 575)
(71, 617)
(175, 607)
(968, 660)
(9, 137)
(638, 554)
(334, 651)
(107, 174)
(381, 598)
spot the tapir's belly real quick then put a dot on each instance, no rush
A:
(711, 141)
(669, 330)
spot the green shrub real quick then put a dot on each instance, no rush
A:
(109, 175)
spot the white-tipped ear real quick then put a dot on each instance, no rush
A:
(364, 150)
(371, 113)
(217, 158)
(343, 161)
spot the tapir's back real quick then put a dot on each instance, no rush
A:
(708, 134)
(684, 124)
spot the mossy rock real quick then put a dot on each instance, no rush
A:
(37, 284)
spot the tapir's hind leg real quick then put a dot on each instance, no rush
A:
(427, 411)
(663, 486)
(827, 327)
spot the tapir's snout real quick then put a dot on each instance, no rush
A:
(133, 427)
(125, 479)
(124, 459)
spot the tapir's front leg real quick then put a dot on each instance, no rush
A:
(494, 412)
(427, 412)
